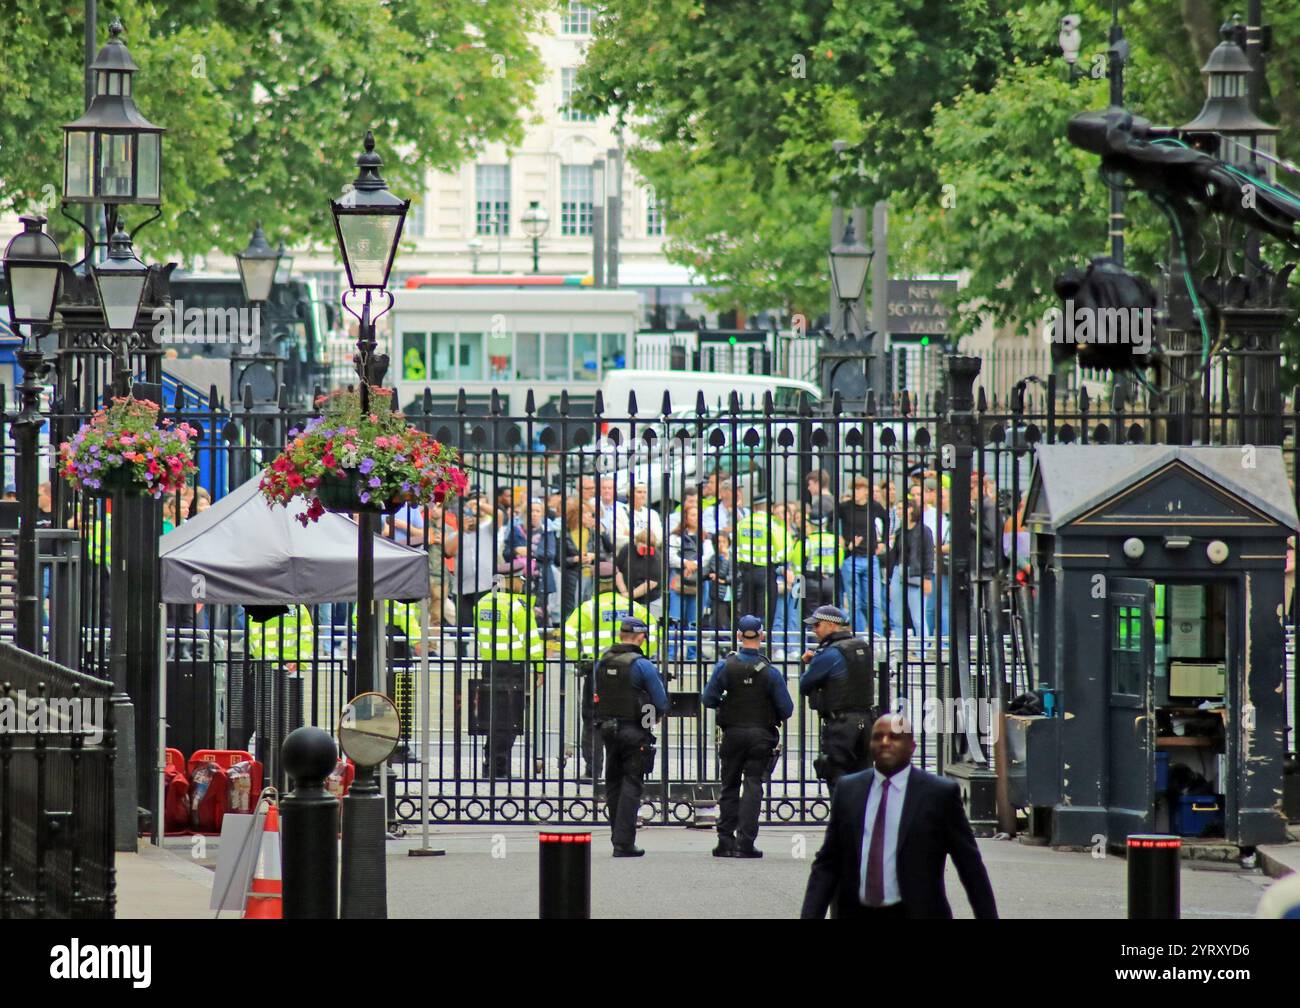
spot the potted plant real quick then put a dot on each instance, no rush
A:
(344, 461)
(124, 446)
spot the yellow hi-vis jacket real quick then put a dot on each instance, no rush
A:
(592, 628)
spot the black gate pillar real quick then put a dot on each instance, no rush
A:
(961, 754)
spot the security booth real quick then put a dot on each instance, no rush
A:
(1160, 573)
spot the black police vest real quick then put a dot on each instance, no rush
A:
(747, 701)
(855, 690)
(616, 695)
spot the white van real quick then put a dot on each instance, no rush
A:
(684, 387)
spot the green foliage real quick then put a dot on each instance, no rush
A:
(266, 105)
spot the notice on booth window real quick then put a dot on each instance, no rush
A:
(1186, 621)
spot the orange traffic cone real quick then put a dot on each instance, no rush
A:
(265, 897)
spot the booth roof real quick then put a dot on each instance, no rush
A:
(244, 551)
(1070, 480)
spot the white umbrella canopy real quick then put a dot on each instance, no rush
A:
(245, 551)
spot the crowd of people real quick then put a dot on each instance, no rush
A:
(694, 563)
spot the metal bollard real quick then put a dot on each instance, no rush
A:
(309, 817)
(564, 876)
(1153, 879)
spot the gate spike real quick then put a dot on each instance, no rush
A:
(981, 401)
(667, 408)
(248, 398)
(700, 408)
(460, 402)
(530, 404)
(426, 401)
(837, 403)
(871, 402)
(631, 402)
(733, 402)
(768, 405)
(564, 402)
(494, 407)
(212, 398)
(600, 402)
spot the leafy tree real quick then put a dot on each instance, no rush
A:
(266, 104)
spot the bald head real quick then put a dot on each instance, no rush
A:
(892, 743)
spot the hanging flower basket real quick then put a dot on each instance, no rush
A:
(343, 494)
(345, 462)
(125, 447)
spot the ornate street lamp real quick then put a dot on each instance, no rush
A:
(113, 154)
(257, 266)
(33, 266)
(535, 221)
(1227, 122)
(121, 279)
(368, 221)
(850, 260)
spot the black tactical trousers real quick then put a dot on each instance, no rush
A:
(745, 754)
(629, 755)
(505, 712)
(590, 745)
(846, 745)
(756, 592)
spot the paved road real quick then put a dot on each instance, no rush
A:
(678, 879)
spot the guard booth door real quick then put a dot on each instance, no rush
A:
(1131, 715)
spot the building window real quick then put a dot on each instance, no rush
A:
(414, 221)
(575, 199)
(329, 285)
(575, 19)
(492, 199)
(568, 85)
(654, 218)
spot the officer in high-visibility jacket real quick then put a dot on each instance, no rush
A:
(760, 551)
(591, 629)
(839, 683)
(403, 620)
(630, 701)
(751, 698)
(288, 638)
(505, 630)
(818, 559)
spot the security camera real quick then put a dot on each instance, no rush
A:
(1070, 38)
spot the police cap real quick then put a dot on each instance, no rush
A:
(827, 614)
(633, 625)
(749, 626)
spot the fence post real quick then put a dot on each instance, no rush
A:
(308, 828)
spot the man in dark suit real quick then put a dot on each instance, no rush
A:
(890, 830)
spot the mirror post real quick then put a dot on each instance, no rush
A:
(364, 882)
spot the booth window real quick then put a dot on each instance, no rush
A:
(415, 353)
(613, 351)
(470, 360)
(442, 356)
(586, 361)
(528, 355)
(1126, 650)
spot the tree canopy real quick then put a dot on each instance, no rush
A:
(266, 104)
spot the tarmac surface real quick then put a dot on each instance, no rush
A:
(492, 873)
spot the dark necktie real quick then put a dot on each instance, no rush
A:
(876, 853)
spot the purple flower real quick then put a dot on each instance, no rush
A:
(374, 481)
(94, 449)
(364, 498)
(366, 465)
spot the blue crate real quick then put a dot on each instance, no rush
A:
(1195, 815)
(1162, 772)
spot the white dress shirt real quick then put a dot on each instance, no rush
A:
(893, 816)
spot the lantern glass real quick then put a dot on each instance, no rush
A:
(849, 270)
(149, 154)
(78, 165)
(116, 166)
(369, 241)
(31, 292)
(257, 275)
(120, 294)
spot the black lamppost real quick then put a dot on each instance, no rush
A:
(113, 156)
(535, 221)
(368, 221)
(1253, 313)
(33, 266)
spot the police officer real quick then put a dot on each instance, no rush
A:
(630, 698)
(289, 637)
(839, 685)
(590, 629)
(505, 630)
(819, 556)
(750, 696)
(760, 548)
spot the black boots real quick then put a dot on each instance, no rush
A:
(628, 852)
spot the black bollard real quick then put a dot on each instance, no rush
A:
(309, 819)
(1153, 880)
(564, 876)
